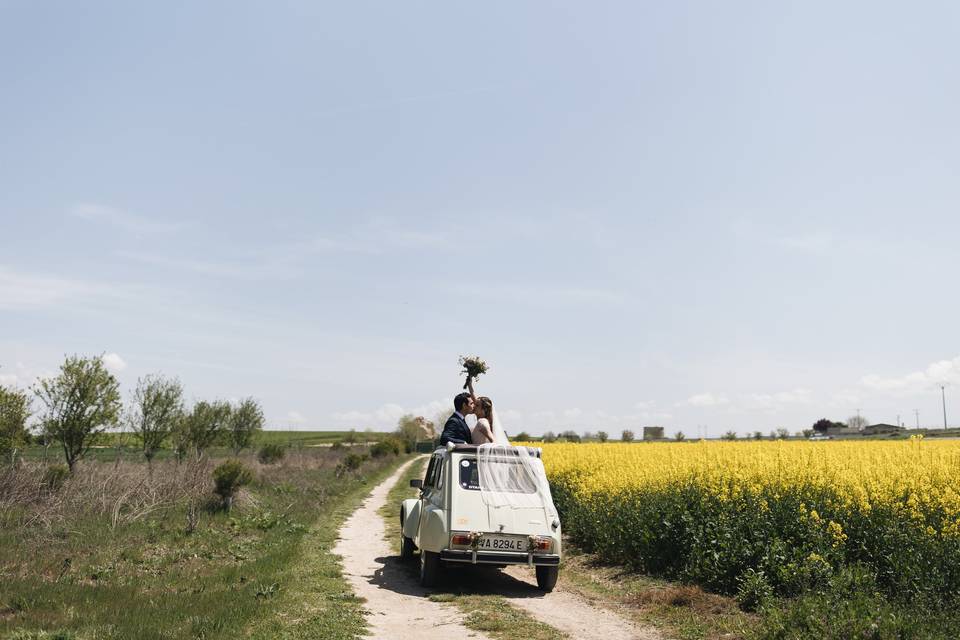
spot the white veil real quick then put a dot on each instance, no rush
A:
(513, 477)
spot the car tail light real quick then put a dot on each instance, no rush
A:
(542, 543)
(461, 538)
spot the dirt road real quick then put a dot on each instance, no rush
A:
(399, 608)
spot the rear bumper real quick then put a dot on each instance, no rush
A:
(491, 557)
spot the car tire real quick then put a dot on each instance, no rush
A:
(429, 568)
(406, 544)
(406, 547)
(547, 578)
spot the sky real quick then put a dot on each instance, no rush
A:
(706, 216)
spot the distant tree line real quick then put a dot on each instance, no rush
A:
(83, 401)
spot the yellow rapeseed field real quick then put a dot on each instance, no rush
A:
(795, 510)
(917, 476)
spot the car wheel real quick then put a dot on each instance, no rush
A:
(547, 578)
(429, 568)
(406, 547)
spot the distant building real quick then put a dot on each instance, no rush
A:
(653, 433)
(841, 430)
(881, 429)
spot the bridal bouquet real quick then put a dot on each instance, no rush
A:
(473, 367)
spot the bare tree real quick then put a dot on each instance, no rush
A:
(79, 404)
(626, 435)
(857, 422)
(156, 409)
(679, 436)
(245, 421)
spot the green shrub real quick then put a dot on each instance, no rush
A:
(55, 476)
(228, 477)
(753, 591)
(337, 445)
(351, 462)
(386, 447)
(270, 453)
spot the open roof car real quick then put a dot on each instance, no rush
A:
(487, 504)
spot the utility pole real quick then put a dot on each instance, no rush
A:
(943, 396)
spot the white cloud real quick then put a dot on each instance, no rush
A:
(28, 291)
(295, 417)
(123, 219)
(707, 399)
(114, 362)
(20, 291)
(846, 398)
(387, 416)
(776, 401)
(916, 382)
(514, 421)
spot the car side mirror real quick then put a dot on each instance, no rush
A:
(416, 484)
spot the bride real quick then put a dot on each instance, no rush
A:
(484, 430)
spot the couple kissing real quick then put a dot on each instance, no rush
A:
(456, 429)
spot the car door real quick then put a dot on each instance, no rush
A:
(432, 535)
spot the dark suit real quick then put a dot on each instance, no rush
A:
(455, 431)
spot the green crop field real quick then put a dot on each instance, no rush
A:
(111, 446)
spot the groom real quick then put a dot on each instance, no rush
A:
(456, 429)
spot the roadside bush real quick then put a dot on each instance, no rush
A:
(55, 476)
(228, 478)
(351, 462)
(386, 447)
(337, 445)
(753, 590)
(271, 453)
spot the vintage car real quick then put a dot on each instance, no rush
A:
(453, 521)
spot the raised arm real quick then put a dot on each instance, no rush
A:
(473, 394)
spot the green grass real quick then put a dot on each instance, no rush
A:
(262, 571)
(390, 511)
(685, 611)
(497, 618)
(110, 446)
(310, 438)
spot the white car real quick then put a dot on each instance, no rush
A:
(452, 523)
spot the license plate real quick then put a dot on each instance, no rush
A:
(501, 543)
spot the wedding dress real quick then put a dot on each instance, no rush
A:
(481, 433)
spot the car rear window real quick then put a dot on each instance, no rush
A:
(470, 477)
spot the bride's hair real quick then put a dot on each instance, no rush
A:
(487, 405)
